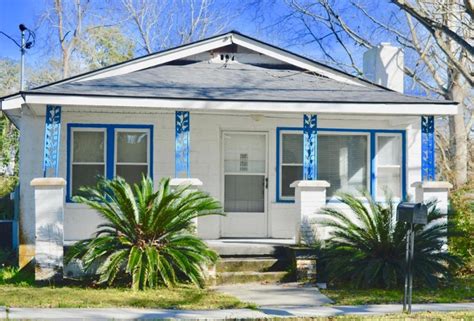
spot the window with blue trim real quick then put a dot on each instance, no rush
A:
(350, 160)
(107, 151)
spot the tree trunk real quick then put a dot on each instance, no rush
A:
(459, 135)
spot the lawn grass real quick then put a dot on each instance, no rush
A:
(460, 290)
(425, 316)
(183, 297)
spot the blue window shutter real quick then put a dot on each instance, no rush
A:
(427, 148)
(52, 137)
(310, 142)
(182, 144)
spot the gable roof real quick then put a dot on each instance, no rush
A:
(173, 78)
(230, 82)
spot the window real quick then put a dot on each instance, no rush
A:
(132, 154)
(292, 162)
(389, 161)
(343, 162)
(346, 161)
(88, 157)
(106, 151)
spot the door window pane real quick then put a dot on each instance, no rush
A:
(244, 193)
(342, 161)
(244, 153)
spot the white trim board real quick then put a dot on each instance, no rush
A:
(243, 106)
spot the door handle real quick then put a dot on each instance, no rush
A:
(266, 182)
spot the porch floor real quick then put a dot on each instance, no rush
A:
(249, 246)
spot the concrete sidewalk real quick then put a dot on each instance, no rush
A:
(240, 314)
(279, 295)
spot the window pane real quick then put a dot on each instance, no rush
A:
(132, 173)
(342, 161)
(244, 153)
(292, 148)
(388, 179)
(244, 193)
(88, 146)
(132, 147)
(85, 175)
(389, 150)
(289, 174)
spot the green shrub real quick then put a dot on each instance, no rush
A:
(369, 251)
(462, 218)
(147, 235)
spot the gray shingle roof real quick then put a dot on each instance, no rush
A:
(241, 82)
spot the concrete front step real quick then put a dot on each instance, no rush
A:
(245, 264)
(249, 277)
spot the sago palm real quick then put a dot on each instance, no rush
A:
(147, 234)
(367, 248)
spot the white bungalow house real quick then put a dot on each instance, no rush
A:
(271, 134)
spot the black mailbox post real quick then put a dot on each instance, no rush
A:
(413, 213)
(410, 213)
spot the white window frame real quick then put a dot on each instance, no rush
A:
(377, 166)
(72, 163)
(133, 130)
(321, 132)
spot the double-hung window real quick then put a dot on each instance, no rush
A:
(132, 157)
(107, 151)
(88, 157)
(389, 165)
(345, 161)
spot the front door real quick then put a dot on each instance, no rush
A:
(245, 184)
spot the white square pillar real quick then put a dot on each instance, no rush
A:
(431, 190)
(310, 198)
(193, 183)
(49, 228)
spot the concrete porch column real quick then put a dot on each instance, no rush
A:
(49, 228)
(193, 183)
(433, 190)
(310, 198)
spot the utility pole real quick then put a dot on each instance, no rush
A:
(22, 51)
(25, 43)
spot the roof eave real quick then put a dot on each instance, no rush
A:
(317, 107)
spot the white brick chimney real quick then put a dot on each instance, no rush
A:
(383, 65)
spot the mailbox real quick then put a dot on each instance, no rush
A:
(414, 213)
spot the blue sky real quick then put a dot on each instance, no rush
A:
(12, 13)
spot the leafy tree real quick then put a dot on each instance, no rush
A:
(147, 235)
(105, 46)
(369, 250)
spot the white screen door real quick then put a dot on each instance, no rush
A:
(245, 184)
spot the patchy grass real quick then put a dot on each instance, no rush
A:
(431, 316)
(460, 290)
(17, 290)
(183, 297)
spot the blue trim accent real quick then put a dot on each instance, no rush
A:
(310, 143)
(110, 149)
(373, 165)
(182, 127)
(428, 170)
(52, 140)
(372, 133)
(109, 158)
